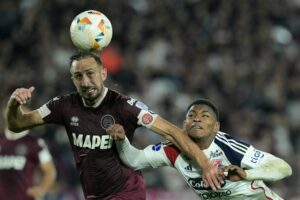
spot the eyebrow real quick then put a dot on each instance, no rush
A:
(205, 111)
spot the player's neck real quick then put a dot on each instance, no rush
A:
(95, 103)
(205, 142)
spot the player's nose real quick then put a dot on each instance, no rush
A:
(85, 81)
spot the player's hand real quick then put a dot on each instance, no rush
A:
(20, 96)
(235, 173)
(116, 131)
(36, 192)
(213, 177)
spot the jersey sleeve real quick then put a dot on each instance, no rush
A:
(234, 149)
(152, 156)
(260, 165)
(51, 112)
(44, 154)
(254, 158)
(137, 112)
(157, 156)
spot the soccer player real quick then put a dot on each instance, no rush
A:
(20, 156)
(86, 114)
(246, 166)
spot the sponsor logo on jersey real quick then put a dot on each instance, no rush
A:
(147, 118)
(156, 147)
(198, 184)
(74, 121)
(215, 154)
(214, 195)
(12, 162)
(92, 141)
(189, 167)
(131, 101)
(106, 121)
(256, 156)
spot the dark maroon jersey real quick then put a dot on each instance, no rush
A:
(102, 174)
(18, 161)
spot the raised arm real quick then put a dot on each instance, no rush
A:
(17, 119)
(261, 166)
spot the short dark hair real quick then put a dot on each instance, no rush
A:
(80, 55)
(207, 103)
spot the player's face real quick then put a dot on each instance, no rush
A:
(88, 79)
(201, 122)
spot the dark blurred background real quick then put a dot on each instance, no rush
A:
(243, 55)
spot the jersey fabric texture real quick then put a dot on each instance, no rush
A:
(18, 160)
(102, 174)
(223, 151)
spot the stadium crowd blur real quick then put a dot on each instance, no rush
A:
(243, 55)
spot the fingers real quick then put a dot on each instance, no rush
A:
(22, 95)
(116, 131)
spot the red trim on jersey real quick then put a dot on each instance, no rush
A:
(172, 153)
(253, 188)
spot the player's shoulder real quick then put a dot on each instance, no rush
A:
(224, 140)
(169, 147)
(225, 137)
(73, 98)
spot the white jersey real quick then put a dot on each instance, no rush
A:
(223, 151)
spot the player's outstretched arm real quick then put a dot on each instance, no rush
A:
(258, 165)
(271, 169)
(131, 156)
(211, 175)
(17, 119)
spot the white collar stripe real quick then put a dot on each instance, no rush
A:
(234, 141)
(222, 140)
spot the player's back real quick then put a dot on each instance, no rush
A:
(18, 160)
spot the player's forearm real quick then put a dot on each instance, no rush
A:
(181, 140)
(132, 157)
(49, 176)
(272, 170)
(14, 117)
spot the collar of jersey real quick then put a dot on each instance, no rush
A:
(14, 136)
(99, 102)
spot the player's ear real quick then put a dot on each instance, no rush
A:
(217, 127)
(184, 125)
(103, 73)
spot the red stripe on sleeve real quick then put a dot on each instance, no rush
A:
(172, 153)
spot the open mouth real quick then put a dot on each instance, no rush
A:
(89, 90)
(198, 127)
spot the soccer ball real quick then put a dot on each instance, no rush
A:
(91, 31)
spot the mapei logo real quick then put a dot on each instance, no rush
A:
(74, 121)
(257, 155)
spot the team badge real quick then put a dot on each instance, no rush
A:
(216, 162)
(106, 121)
(147, 118)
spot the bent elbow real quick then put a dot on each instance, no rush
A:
(289, 170)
